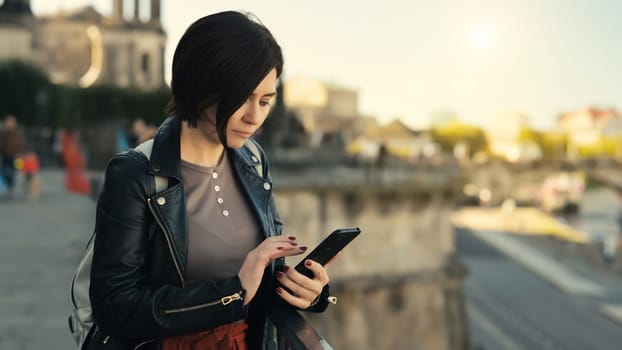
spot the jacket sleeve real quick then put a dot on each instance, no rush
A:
(123, 304)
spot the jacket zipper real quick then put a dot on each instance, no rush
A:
(168, 241)
(107, 338)
(223, 301)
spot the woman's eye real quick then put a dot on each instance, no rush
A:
(264, 103)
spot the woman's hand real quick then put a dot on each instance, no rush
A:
(301, 290)
(258, 259)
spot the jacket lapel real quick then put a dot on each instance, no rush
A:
(170, 204)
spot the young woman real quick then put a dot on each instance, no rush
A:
(195, 266)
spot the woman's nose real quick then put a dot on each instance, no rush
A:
(253, 114)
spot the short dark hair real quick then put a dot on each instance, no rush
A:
(221, 58)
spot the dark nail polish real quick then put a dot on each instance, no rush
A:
(279, 248)
(293, 243)
(292, 238)
(279, 290)
(308, 263)
(285, 268)
(303, 248)
(279, 274)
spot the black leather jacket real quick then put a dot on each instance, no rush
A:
(138, 292)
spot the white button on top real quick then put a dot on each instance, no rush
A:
(161, 200)
(217, 188)
(220, 200)
(266, 186)
(225, 212)
(214, 176)
(254, 159)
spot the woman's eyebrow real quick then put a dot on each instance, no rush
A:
(271, 94)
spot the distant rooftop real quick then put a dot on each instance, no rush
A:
(84, 13)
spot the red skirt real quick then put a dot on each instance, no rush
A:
(230, 336)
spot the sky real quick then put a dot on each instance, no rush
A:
(478, 59)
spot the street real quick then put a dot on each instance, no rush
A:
(515, 304)
(41, 245)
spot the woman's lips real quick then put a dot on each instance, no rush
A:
(244, 134)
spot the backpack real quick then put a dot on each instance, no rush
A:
(81, 317)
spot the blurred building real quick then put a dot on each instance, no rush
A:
(587, 126)
(328, 112)
(505, 141)
(396, 137)
(83, 47)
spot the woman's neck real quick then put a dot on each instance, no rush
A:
(199, 147)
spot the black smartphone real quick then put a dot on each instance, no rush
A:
(328, 248)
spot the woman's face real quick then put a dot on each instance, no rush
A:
(250, 116)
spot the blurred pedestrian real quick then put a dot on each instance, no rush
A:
(57, 148)
(381, 162)
(28, 164)
(211, 282)
(11, 146)
(142, 131)
(76, 179)
(382, 157)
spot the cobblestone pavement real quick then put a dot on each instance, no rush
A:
(41, 245)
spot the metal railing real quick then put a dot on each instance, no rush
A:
(294, 332)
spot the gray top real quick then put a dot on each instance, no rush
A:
(221, 227)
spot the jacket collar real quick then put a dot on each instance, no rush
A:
(245, 158)
(166, 154)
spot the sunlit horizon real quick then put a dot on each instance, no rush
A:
(413, 59)
(481, 36)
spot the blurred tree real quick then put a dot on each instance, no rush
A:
(273, 129)
(528, 135)
(24, 91)
(454, 132)
(552, 144)
(149, 106)
(75, 106)
(607, 146)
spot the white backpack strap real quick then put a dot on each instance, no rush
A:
(253, 147)
(161, 182)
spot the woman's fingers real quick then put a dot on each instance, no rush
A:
(292, 300)
(306, 292)
(252, 269)
(299, 286)
(276, 247)
(319, 272)
(297, 289)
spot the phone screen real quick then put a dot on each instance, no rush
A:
(328, 248)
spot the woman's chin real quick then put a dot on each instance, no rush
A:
(235, 144)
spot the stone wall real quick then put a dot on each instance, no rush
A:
(398, 285)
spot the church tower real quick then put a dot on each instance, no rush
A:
(16, 28)
(16, 11)
(17, 7)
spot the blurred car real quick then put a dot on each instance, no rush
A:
(472, 195)
(562, 192)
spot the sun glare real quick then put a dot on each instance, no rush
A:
(481, 36)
